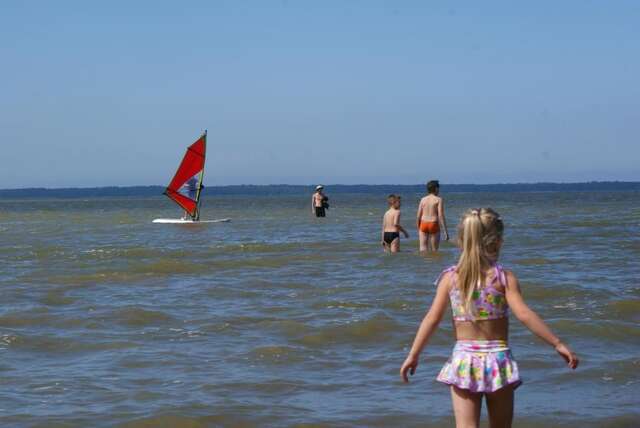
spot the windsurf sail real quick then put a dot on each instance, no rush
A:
(186, 186)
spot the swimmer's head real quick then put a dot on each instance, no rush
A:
(433, 187)
(391, 199)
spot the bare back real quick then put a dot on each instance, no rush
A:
(391, 220)
(495, 329)
(430, 205)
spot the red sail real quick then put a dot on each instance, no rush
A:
(190, 173)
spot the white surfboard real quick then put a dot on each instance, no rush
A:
(182, 221)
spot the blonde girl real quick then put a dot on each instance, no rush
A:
(481, 292)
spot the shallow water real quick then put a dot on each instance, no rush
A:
(280, 319)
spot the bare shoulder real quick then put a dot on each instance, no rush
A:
(512, 279)
(446, 279)
(432, 199)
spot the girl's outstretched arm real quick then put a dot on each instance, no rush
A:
(427, 327)
(534, 323)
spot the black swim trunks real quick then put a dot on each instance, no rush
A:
(320, 212)
(389, 237)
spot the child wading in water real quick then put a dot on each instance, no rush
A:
(430, 215)
(391, 227)
(481, 293)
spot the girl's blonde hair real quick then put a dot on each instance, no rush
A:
(479, 236)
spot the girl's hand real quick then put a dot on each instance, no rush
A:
(568, 355)
(409, 366)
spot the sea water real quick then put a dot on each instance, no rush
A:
(282, 319)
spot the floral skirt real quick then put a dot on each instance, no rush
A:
(481, 366)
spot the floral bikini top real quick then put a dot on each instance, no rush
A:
(489, 301)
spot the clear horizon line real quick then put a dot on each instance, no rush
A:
(518, 183)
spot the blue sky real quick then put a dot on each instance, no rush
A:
(110, 93)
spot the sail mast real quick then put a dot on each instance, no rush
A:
(200, 186)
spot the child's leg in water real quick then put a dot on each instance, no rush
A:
(500, 407)
(423, 239)
(395, 245)
(466, 407)
(434, 241)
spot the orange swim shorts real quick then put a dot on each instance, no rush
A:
(432, 227)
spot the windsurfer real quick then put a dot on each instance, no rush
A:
(191, 189)
(185, 188)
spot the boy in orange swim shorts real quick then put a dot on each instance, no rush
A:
(430, 215)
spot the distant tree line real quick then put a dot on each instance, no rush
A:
(286, 189)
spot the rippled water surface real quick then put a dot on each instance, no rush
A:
(279, 319)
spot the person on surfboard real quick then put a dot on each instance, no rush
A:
(191, 189)
(185, 188)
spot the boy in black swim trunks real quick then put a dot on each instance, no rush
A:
(391, 227)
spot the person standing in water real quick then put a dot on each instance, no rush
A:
(430, 216)
(319, 202)
(481, 293)
(391, 227)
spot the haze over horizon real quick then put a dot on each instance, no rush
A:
(299, 93)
